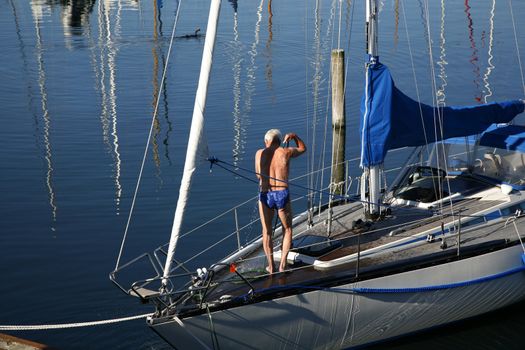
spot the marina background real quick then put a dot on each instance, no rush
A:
(79, 83)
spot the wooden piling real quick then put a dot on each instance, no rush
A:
(338, 122)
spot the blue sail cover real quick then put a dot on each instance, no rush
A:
(390, 119)
(509, 137)
(503, 136)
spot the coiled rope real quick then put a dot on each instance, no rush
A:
(70, 325)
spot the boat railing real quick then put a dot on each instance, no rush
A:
(240, 239)
(168, 292)
(113, 276)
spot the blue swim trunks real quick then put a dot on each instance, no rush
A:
(275, 199)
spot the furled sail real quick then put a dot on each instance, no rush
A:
(196, 144)
(390, 119)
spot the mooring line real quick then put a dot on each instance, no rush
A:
(70, 325)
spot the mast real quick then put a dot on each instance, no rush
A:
(371, 175)
(196, 145)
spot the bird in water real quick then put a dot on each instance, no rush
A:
(196, 34)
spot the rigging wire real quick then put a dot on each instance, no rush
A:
(438, 120)
(162, 82)
(335, 155)
(411, 55)
(307, 103)
(340, 17)
(399, 209)
(316, 82)
(517, 46)
(330, 31)
(217, 162)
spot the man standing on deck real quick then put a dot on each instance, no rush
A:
(272, 165)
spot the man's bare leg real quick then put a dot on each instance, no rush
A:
(285, 215)
(266, 223)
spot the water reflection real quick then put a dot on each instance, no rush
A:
(396, 21)
(423, 16)
(103, 58)
(241, 119)
(325, 52)
(440, 94)
(75, 13)
(75, 16)
(238, 144)
(249, 86)
(268, 74)
(26, 69)
(38, 14)
(316, 83)
(488, 92)
(155, 82)
(158, 45)
(157, 51)
(234, 5)
(474, 58)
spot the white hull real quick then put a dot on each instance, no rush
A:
(334, 319)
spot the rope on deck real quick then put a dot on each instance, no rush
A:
(70, 325)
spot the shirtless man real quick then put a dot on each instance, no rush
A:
(272, 164)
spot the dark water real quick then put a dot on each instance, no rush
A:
(79, 82)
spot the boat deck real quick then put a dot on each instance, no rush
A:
(399, 241)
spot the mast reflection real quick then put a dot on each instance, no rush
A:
(39, 11)
(488, 92)
(268, 74)
(396, 21)
(234, 5)
(156, 50)
(236, 68)
(75, 17)
(474, 58)
(440, 93)
(155, 82)
(104, 65)
(249, 86)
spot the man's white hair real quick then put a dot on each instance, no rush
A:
(272, 135)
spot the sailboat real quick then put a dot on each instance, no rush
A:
(442, 244)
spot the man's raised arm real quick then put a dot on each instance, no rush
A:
(301, 147)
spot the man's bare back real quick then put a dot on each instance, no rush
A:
(272, 165)
(274, 168)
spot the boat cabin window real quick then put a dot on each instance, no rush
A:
(495, 164)
(461, 169)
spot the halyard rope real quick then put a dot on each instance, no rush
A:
(70, 325)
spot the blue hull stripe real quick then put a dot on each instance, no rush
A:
(442, 286)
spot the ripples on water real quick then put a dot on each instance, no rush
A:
(81, 81)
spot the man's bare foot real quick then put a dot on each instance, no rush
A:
(270, 270)
(284, 269)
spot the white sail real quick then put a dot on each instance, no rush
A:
(196, 144)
